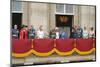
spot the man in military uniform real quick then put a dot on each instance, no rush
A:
(79, 32)
(31, 33)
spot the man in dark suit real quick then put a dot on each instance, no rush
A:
(15, 32)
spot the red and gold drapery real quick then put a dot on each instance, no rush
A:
(84, 46)
(46, 47)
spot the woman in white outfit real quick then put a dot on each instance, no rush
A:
(85, 33)
(57, 32)
(91, 33)
(40, 32)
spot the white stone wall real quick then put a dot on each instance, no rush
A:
(36, 14)
(87, 16)
(44, 14)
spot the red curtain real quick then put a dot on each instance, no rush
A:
(43, 45)
(84, 44)
(64, 45)
(21, 46)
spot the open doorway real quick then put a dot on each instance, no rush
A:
(17, 19)
(64, 22)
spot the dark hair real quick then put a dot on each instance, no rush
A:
(91, 28)
(84, 27)
(24, 26)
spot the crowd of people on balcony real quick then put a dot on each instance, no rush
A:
(56, 33)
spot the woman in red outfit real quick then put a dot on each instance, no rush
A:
(24, 32)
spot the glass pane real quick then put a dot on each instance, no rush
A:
(16, 6)
(60, 8)
(69, 8)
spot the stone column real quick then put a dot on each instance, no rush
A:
(52, 16)
(84, 16)
(25, 14)
(92, 17)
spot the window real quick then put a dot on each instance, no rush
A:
(16, 6)
(60, 8)
(69, 8)
(65, 9)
